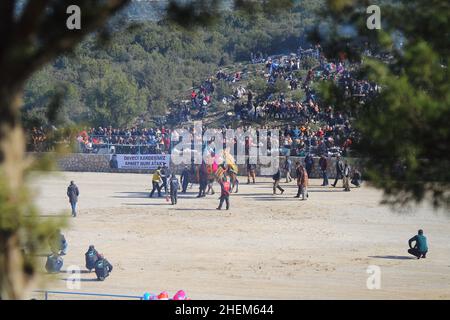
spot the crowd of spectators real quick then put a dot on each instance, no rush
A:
(306, 125)
(124, 141)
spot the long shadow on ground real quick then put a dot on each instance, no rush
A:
(393, 257)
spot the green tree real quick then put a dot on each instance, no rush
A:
(31, 38)
(403, 131)
(30, 41)
(115, 100)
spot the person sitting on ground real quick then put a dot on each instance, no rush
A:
(73, 193)
(224, 193)
(58, 243)
(356, 179)
(91, 258)
(102, 268)
(420, 248)
(54, 263)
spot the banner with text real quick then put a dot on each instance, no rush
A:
(142, 161)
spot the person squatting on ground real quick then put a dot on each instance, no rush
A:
(420, 248)
(54, 263)
(156, 179)
(73, 193)
(224, 193)
(323, 163)
(302, 182)
(91, 257)
(287, 169)
(102, 268)
(174, 185)
(276, 182)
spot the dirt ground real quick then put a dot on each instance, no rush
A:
(264, 247)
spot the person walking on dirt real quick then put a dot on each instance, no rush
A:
(276, 182)
(224, 193)
(184, 179)
(156, 179)
(73, 194)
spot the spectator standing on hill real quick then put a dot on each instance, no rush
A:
(73, 193)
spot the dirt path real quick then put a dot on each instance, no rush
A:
(265, 247)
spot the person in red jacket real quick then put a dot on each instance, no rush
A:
(224, 193)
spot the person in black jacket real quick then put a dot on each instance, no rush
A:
(184, 179)
(91, 258)
(323, 163)
(339, 170)
(73, 193)
(102, 268)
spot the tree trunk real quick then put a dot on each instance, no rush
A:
(13, 276)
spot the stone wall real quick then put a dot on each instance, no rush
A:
(100, 163)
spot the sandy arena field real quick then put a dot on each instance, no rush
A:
(265, 247)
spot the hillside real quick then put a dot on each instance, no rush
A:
(145, 68)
